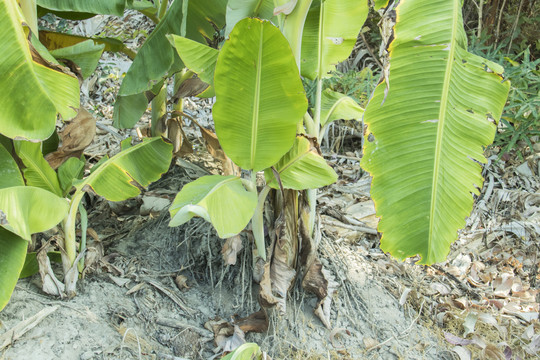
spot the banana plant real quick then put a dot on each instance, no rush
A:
(256, 80)
(294, 162)
(260, 103)
(116, 179)
(55, 91)
(422, 189)
(24, 210)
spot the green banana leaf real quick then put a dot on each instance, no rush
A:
(241, 9)
(378, 4)
(105, 7)
(259, 95)
(336, 106)
(54, 41)
(156, 56)
(25, 210)
(37, 172)
(128, 110)
(71, 170)
(12, 255)
(9, 171)
(157, 59)
(200, 17)
(85, 54)
(50, 144)
(221, 200)
(122, 176)
(301, 168)
(33, 92)
(247, 351)
(430, 120)
(199, 58)
(330, 32)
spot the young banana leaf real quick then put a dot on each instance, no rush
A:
(259, 95)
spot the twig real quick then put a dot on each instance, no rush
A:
(514, 26)
(169, 357)
(351, 227)
(177, 324)
(498, 30)
(171, 296)
(108, 129)
(370, 51)
(24, 326)
(458, 282)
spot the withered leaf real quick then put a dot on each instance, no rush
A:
(77, 135)
(181, 144)
(230, 250)
(256, 322)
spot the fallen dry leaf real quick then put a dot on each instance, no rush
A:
(456, 340)
(463, 353)
(181, 282)
(333, 335)
(370, 342)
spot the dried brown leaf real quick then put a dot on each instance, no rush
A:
(181, 144)
(212, 144)
(76, 136)
(440, 288)
(334, 333)
(190, 87)
(491, 352)
(370, 342)
(470, 323)
(181, 282)
(230, 249)
(50, 284)
(256, 322)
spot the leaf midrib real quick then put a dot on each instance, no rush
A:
(440, 130)
(256, 100)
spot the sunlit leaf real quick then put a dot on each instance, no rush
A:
(122, 176)
(69, 171)
(37, 171)
(34, 93)
(85, 54)
(105, 7)
(241, 9)
(199, 58)
(330, 32)
(213, 198)
(25, 210)
(430, 127)
(259, 95)
(301, 168)
(336, 106)
(12, 255)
